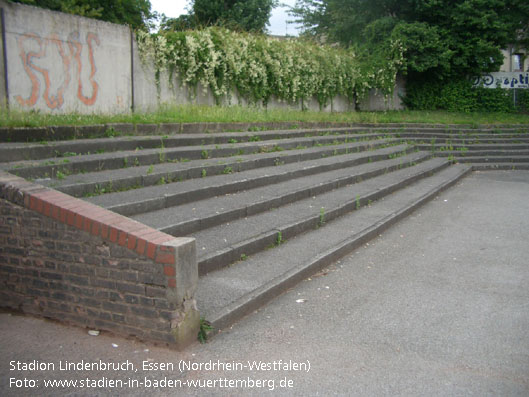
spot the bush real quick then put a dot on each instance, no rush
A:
(461, 96)
(522, 100)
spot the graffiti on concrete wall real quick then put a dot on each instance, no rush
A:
(33, 48)
(503, 80)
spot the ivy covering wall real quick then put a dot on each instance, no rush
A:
(261, 67)
(461, 96)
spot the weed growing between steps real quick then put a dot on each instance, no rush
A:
(279, 239)
(205, 327)
(321, 220)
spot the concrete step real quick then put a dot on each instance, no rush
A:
(10, 152)
(190, 218)
(226, 295)
(163, 196)
(97, 182)
(472, 147)
(16, 151)
(464, 136)
(124, 159)
(221, 245)
(500, 166)
(481, 153)
(492, 159)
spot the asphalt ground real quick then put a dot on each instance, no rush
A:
(437, 306)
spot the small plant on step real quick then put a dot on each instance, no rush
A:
(161, 154)
(110, 132)
(321, 221)
(204, 154)
(205, 327)
(279, 239)
(357, 201)
(204, 173)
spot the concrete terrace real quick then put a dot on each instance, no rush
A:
(267, 208)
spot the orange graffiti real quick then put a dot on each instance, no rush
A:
(28, 66)
(75, 47)
(57, 101)
(77, 55)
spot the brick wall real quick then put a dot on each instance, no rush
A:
(70, 260)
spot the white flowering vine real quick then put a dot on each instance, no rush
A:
(260, 67)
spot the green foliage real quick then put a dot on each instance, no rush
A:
(181, 23)
(246, 15)
(279, 239)
(457, 96)
(260, 67)
(442, 38)
(321, 219)
(135, 13)
(251, 114)
(522, 100)
(205, 327)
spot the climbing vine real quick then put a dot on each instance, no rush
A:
(260, 67)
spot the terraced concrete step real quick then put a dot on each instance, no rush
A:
(226, 295)
(474, 147)
(10, 152)
(199, 215)
(499, 166)
(134, 177)
(159, 197)
(492, 159)
(482, 153)
(469, 137)
(224, 244)
(124, 159)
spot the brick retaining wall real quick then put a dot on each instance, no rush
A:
(63, 258)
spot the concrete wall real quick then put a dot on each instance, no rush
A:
(64, 63)
(3, 94)
(61, 63)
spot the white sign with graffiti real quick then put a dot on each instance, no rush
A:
(503, 80)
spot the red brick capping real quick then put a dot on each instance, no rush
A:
(63, 258)
(89, 217)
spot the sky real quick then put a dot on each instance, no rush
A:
(278, 25)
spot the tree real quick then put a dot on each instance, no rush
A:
(135, 13)
(179, 24)
(246, 15)
(442, 38)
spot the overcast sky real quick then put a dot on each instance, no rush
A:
(278, 25)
